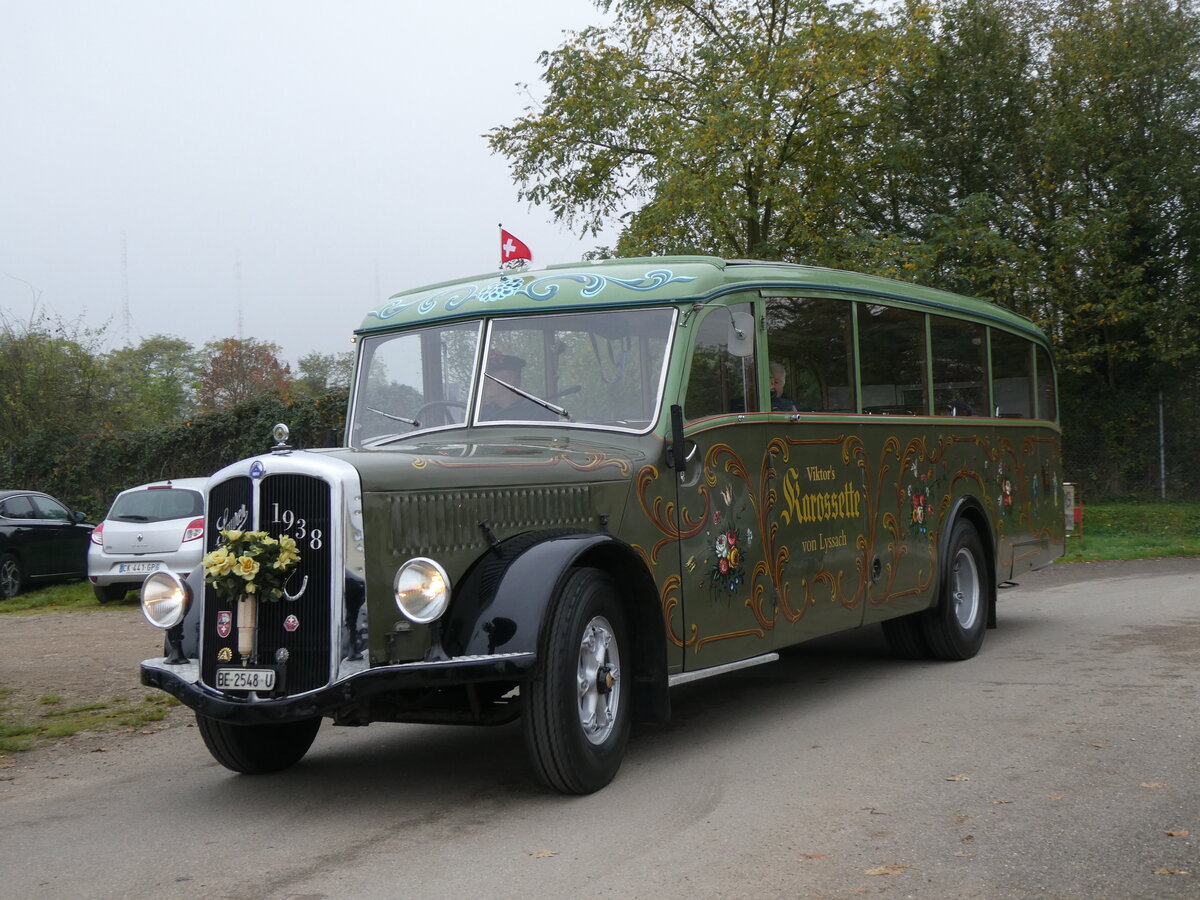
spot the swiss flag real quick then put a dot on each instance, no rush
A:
(512, 249)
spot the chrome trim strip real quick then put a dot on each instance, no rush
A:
(190, 671)
(685, 677)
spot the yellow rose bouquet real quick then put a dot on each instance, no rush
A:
(250, 563)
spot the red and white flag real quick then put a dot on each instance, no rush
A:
(513, 249)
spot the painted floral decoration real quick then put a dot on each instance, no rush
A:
(727, 571)
(920, 513)
(250, 563)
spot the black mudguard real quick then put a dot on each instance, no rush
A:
(506, 600)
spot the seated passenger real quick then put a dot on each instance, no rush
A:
(780, 402)
(501, 403)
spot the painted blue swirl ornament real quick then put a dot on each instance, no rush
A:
(537, 289)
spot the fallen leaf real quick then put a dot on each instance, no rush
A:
(814, 856)
(1163, 870)
(542, 854)
(1101, 746)
(1154, 784)
(1176, 832)
(888, 869)
(1056, 796)
(958, 778)
(969, 839)
(998, 802)
(99, 750)
(963, 853)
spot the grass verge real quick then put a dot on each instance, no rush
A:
(51, 722)
(59, 597)
(1136, 531)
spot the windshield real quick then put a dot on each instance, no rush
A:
(602, 368)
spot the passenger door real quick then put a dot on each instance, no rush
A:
(817, 477)
(727, 600)
(61, 542)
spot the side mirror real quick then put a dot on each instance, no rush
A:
(78, 517)
(741, 334)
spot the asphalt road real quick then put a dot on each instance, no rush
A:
(1061, 762)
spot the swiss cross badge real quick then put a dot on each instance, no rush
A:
(291, 623)
(224, 622)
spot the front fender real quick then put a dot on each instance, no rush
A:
(507, 599)
(501, 605)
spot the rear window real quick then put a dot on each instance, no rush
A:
(158, 505)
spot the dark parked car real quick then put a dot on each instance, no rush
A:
(40, 540)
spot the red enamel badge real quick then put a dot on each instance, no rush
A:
(224, 622)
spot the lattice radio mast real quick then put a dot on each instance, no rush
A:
(126, 315)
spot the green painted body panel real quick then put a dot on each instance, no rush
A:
(654, 280)
(428, 498)
(783, 527)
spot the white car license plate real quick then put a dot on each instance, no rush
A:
(138, 568)
(246, 679)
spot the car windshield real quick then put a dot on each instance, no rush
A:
(157, 505)
(586, 369)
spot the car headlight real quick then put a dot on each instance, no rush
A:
(165, 599)
(422, 590)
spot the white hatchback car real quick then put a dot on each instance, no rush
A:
(150, 528)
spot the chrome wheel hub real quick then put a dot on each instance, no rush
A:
(598, 680)
(964, 589)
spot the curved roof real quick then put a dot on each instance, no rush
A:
(654, 280)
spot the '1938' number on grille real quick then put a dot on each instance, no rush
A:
(296, 527)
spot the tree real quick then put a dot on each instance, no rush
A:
(154, 382)
(953, 142)
(237, 370)
(1122, 183)
(50, 379)
(732, 126)
(320, 373)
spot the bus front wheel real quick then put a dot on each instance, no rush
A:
(577, 708)
(954, 629)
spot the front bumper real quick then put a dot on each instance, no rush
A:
(183, 682)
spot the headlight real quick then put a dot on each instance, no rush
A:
(165, 599)
(422, 590)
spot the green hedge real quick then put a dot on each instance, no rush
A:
(87, 471)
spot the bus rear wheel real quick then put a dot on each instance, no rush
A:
(954, 629)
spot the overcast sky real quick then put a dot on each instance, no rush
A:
(303, 159)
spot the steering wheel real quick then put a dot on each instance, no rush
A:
(442, 406)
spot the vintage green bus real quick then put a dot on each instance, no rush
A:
(563, 491)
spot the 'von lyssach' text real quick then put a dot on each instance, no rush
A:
(805, 505)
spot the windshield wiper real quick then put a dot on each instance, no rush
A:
(413, 422)
(544, 404)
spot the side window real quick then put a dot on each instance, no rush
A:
(718, 381)
(959, 371)
(810, 342)
(17, 508)
(1047, 407)
(50, 509)
(1012, 375)
(891, 351)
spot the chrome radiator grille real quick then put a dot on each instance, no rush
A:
(298, 633)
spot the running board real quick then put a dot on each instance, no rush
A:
(685, 677)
